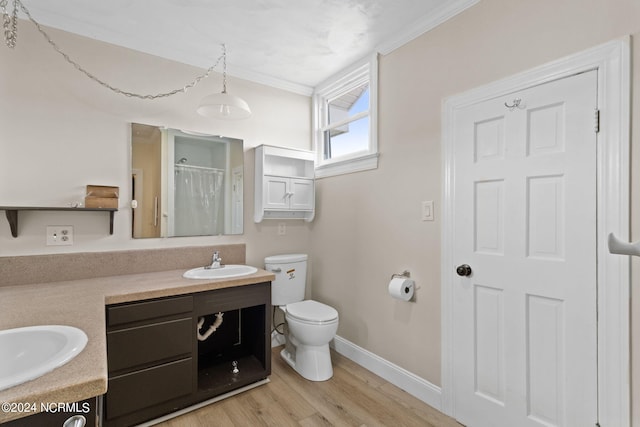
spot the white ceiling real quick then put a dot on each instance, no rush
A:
(291, 44)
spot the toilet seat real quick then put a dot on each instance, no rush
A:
(310, 311)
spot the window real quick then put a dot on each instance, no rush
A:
(345, 121)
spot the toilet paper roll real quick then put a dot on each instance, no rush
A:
(401, 288)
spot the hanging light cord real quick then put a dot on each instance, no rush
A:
(224, 68)
(10, 23)
(10, 26)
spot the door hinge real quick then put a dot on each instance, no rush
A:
(596, 124)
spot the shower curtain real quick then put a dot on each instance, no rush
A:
(198, 200)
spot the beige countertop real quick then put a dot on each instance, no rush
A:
(81, 303)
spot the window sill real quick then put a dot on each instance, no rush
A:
(343, 167)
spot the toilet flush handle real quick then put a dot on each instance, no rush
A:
(276, 270)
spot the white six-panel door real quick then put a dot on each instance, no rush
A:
(525, 331)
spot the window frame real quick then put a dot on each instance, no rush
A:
(352, 77)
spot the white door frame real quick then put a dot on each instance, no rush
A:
(612, 60)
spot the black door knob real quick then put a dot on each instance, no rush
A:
(463, 270)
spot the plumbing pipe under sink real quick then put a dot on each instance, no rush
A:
(214, 326)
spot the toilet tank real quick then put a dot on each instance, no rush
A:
(291, 275)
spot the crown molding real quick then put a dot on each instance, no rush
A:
(428, 23)
(271, 81)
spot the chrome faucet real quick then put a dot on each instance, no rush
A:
(216, 261)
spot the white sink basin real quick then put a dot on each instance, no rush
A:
(30, 352)
(223, 272)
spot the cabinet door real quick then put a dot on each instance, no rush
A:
(302, 194)
(276, 192)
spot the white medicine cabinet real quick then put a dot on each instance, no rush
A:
(284, 183)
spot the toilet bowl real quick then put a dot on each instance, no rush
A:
(309, 325)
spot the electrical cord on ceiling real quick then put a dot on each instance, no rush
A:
(10, 26)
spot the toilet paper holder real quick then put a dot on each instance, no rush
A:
(405, 273)
(401, 286)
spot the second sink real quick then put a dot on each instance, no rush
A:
(29, 352)
(224, 272)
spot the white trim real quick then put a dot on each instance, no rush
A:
(364, 70)
(612, 60)
(428, 23)
(256, 77)
(358, 164)
(346, 121)
(407, 381)
(613, 216)
(354, 72)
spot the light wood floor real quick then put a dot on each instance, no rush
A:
(353, 397)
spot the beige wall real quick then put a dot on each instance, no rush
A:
(60, 131)
(368, 224)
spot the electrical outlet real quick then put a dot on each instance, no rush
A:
(282, 229)
(59, 235)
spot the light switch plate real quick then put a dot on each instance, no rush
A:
(427, 210)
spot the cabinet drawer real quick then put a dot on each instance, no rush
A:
(127, 313)
(233, 298)
(142, 345)
(153, 386)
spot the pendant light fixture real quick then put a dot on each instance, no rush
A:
(223, 105)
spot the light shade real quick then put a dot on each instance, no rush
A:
(224, 106)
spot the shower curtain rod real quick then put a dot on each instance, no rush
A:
(198, 167)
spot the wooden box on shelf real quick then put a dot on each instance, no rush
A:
(101, 196)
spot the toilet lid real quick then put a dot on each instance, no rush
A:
(312, 311)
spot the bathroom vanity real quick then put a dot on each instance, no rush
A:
(157, 365)
(143, 358)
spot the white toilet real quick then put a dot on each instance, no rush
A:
(310, 325)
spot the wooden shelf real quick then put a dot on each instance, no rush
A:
(12, 214)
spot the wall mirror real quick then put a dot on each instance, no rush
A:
(185, 183)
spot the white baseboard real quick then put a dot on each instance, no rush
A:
(418, 387)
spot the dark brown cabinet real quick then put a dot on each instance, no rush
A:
(157, 364)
